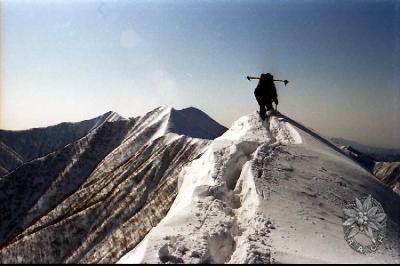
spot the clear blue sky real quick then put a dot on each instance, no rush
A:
(68, 61)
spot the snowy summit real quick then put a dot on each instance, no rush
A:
(267, 192)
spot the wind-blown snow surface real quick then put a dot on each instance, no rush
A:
(267, 192)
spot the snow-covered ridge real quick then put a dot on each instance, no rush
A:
(266, 192)
(217, 182)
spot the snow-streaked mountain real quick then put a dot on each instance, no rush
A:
(97, 197)
(33, 189)
(389, 173)
(17, 147)
(268, 192)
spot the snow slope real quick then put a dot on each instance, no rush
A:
(267, 192)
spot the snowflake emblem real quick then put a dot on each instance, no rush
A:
(364, 218)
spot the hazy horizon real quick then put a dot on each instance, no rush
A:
(70, 61)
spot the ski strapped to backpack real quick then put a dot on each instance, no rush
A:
(249, 78)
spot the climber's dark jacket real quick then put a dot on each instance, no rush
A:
(265, 91)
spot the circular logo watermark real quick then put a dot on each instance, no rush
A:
(364, 224)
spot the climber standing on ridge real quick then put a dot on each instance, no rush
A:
(265, 93)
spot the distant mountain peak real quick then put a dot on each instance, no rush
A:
(190, 122)
(112, 116)
(194, 123)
